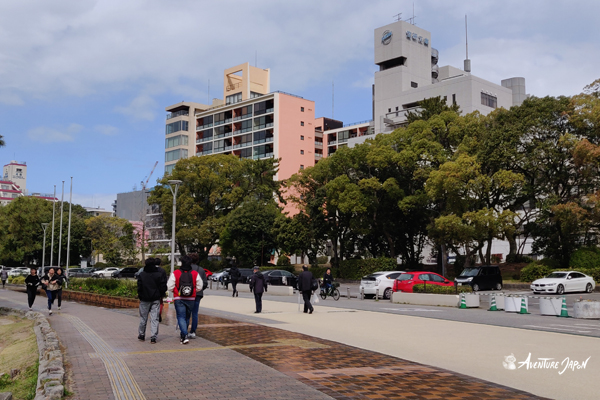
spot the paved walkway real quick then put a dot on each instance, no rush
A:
(241, 357)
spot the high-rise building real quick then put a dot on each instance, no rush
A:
(13, 183)
(252, 122)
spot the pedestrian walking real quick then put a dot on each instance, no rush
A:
(31, 283)
(61, 278)
(184, 283)
(258, 285)
(50, 285)
(157, 262)
(152, 285)
(194, 257)
(4, 277)
(235, 274)
(305, 284)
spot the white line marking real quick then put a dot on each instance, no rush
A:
(558, 329)
(411, 309)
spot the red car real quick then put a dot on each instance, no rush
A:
(406, 281)
(208, 273)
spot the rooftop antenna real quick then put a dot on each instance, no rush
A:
(398, 16)
(332, 103)
(255, 58)
(208, 93)
(467, 61)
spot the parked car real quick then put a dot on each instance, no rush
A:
(406, 280)
(105, 273)
(481, 277)
(19, 271)
(381, 280)
(127, 272)
(245, 273)
(220, 275)
(560, 282)
(2, 267)
(280, 277)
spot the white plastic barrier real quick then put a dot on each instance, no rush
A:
(513, 303)
(550, 305)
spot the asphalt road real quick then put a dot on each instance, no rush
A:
(532, 321)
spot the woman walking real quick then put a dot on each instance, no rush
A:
(60, 280)
(50, 285)
(32, 282)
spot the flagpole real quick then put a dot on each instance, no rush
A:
(62, 197)
(52, 246)
(69, 231)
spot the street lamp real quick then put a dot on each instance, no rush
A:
(44, 226)
(176, 183)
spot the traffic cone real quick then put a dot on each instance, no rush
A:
(523, 307)
(563, 309)
(463, 302)
(493, 306)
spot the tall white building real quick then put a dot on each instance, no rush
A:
(409, 72)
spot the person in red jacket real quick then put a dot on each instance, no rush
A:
(184, 283)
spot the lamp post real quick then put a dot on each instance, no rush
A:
(44, 226)
(175, 183)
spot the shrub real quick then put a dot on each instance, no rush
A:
(420, 288)
(518, 258)
(111, 287)
(283, 261)
(356, 269)
(533, 271)
(322, 260)
(585, 257)
(318, 272)
(17, 280)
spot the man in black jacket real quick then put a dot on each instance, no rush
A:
(235, 274)
(32, 282)
(305, 286)
(258, 285)
(152, 284)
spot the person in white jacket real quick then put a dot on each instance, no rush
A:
(184, 283)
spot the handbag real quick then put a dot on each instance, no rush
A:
(314, 284)
(315, 298)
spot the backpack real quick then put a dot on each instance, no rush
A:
(187, 286)
(314, 284)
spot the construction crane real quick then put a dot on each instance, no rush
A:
(151, 172)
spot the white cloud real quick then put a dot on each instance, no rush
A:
(142, 107)
(107, 130)
(51, 135)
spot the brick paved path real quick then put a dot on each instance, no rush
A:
(238, 360)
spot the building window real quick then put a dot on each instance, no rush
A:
(169, 168)
(454, 99)
(389, 110)
(396, 108)
(301, 137)
(301, 123)
(414, 84)
(263, 107)
(489, 100)
(301, 166)
(254, 95)
(176, 126)
(301, 151)
(175, 154)
(302, 109)
(181, 140)
(234, 98)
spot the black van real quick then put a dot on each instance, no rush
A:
(482, 277)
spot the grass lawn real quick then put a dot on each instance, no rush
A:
(18, 350)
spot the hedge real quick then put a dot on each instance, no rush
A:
(356, 269)
(421, 288)
(111, 287)
(17, 280)
(586, 258)
(533, 271)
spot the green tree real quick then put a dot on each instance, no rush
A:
(113, 238)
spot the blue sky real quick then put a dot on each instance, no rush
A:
(84, 84)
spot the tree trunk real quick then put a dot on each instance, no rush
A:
(488, 252)
(512, 243)
(444, 254)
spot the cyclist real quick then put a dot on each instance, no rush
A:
(328, 280)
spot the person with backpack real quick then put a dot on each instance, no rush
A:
(184, 283)
(32, 282)
(151, 284)
(235, 274)
(305, 285)
(194, 257)
(258, 285)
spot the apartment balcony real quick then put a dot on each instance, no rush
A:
(202, 127)
(318, 145)
(202, 140)
(204, 153)
(264, 155)
(318, 156)
(177, 114)
(265, 140)
(242, 145)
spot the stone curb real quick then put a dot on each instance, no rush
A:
(51, 371)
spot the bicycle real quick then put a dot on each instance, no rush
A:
(331, 292)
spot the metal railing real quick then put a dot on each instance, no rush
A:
(177, 114)
(357, 123)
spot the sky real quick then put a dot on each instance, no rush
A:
(84, 83)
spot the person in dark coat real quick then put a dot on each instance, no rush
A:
(199, 295)
(61, 279)
(3, 276)
(258, 285)
(305, 286)
(235, 274)
(50, 285)
(152, 285)
(32, 282)
(157, 262)
(327, 279)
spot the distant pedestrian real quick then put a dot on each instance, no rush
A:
(235, 274)
(258, 285)
(157, 262)
(61, 278)
(31, 283)
(184, 283)
(50, 285)
(305, 286)
(152, 285)
(327, 280)
(199, 294)
(4, 277)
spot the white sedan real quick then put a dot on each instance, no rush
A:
(105, 273)
(381, 280)
(19, 271)
(560, 282)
